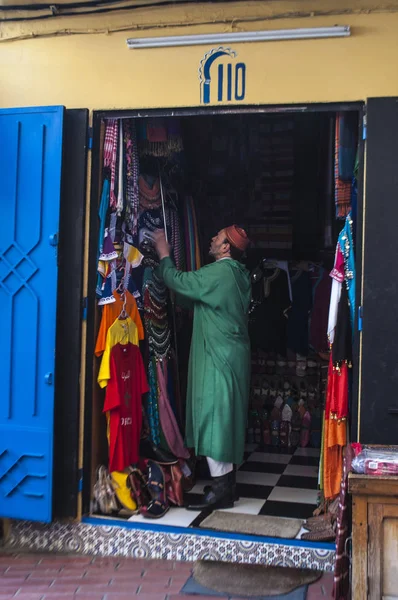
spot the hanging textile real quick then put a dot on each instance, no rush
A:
(336, 409)
(110, 156)
(110, 313)
(346, 244)
(152, 404)
(342, 188)
(132, 173)
(175, 239)
(123, 401)
(167, 419)
(123, 332)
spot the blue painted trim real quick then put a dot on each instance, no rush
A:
(32, 110)
(238, 537)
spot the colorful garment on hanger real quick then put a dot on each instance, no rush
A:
(337, 275)
(122, 331)
(342, 188)
(123, 401)
(110, 313)
(346, 244)
(336, 409)
(110, 156)
(167, 418)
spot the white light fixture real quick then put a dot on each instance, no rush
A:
(274, 35)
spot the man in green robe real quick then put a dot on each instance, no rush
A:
(219, 363)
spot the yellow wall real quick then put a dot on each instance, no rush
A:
(99, 72)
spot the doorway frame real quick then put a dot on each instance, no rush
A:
(92, 236)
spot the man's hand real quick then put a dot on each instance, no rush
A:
(162, 247)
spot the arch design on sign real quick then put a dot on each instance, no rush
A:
(235, 75)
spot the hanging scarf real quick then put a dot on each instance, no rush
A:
(152, 406)
(347, 248)
(120, 198)
(342, 189)
(110, 156)
(132, 173)
(167, 419)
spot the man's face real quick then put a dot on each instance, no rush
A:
(219, 247)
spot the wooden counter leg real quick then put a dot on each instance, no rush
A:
(359, 548)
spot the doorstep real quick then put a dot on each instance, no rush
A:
(104, 536)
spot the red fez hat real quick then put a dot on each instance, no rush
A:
(237, 237)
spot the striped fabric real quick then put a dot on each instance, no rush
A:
(110, 156)
(342, 189)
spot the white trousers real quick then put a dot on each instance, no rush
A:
(217, 468)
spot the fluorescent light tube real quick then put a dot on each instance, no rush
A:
(274, 35)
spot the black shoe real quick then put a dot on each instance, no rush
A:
(219, 496)
(150, 451)
(235, 494)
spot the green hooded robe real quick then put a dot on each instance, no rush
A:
(219, 362)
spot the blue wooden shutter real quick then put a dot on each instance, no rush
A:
(30, 184)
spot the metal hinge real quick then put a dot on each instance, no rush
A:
(84, 308)
(90, 138)
(80, 482)
(360, 318)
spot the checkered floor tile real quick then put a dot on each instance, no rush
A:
(271, 481)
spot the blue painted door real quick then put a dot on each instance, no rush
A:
(30, 187)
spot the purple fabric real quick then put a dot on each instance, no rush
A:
(167, 419)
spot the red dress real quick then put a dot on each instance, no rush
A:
(123, 400)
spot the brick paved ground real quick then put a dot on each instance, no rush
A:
(56, 577)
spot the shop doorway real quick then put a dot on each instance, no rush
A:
(271, 170)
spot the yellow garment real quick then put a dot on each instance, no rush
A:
(122, 491)
(132, 255)
(122, 331)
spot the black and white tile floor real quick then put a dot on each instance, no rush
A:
(271, 481)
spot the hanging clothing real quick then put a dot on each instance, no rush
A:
(342, 186)
(268, 319)
(110, 313)
(297, 330)
(337, 275)
(167, 419)
(122, 331)
(336, 409)
(120, 191)
(110, 156)
(219, 364)
(346, 245)
(123, 402)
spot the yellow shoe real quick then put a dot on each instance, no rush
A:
(122, 491)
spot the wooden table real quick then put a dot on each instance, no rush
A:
(374, 537)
